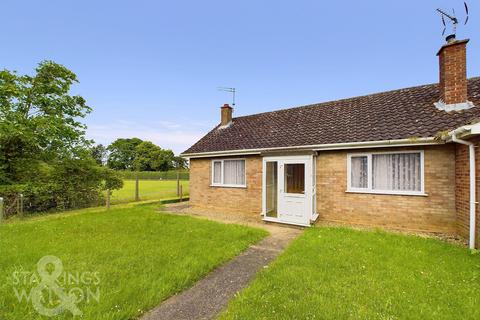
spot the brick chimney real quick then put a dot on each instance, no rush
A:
(226, 112)
(453, 71)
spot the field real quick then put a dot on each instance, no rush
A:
(339, 273)
(134, 256)
(148, 190)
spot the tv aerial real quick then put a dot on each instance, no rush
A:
(451, 18)
(230, 90)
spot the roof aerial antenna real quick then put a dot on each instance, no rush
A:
(453, 20)
(231, 90)
(466, 11)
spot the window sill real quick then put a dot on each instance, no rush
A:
(391, 193)
(228, 186)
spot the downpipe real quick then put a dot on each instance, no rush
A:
(473, 201)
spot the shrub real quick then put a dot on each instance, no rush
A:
(69, 184)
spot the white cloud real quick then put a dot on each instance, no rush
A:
(169, 125)
(166, 134)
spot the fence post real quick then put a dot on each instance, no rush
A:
(108, 199)
(137, 198)
(21, 205)
(1, 209)
(178, 184)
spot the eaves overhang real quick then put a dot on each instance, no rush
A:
(319, 147)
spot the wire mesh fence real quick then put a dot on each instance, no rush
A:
(11, 205)
(147, 189)
(133, 190)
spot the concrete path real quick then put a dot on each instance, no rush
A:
(209, 296)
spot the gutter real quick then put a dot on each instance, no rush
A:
(318, 147)
(473, 201)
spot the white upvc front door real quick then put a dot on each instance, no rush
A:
(288, 189)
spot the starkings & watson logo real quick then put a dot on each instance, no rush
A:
(52, 291)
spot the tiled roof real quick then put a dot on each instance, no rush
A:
(392, 115)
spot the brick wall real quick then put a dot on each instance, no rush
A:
(432, 213)
(462, 188)
(236, 200)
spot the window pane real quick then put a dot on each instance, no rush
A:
(359, 172)
(295, 178)
(234, 172)
(397, 172)
(217, 172)
(271, 189)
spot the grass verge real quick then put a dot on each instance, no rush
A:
(339, 273)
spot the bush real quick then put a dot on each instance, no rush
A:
(69, 184)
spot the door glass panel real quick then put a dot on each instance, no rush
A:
(295, 178)
(271, 189)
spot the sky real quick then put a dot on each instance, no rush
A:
(150, 69)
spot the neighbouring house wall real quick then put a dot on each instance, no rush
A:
(220, 199)
(462, 188)
(432, 213)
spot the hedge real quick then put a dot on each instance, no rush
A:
(155, 175)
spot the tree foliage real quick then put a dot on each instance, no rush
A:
(180, 163)
(150, 157)
(122, 153)
(99, 154)
(135, 154)
(43, 149)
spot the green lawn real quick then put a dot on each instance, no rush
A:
(338, 273)
(148, 190)
(139, 255)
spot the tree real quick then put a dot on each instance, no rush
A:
(38, 117)
(122, 153)
(135, 154)
(43, 150)
(99, 153)
(164, 161)
(150, 157)
(180, 163)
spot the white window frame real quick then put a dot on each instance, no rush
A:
(369, 188)
(221, 184)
